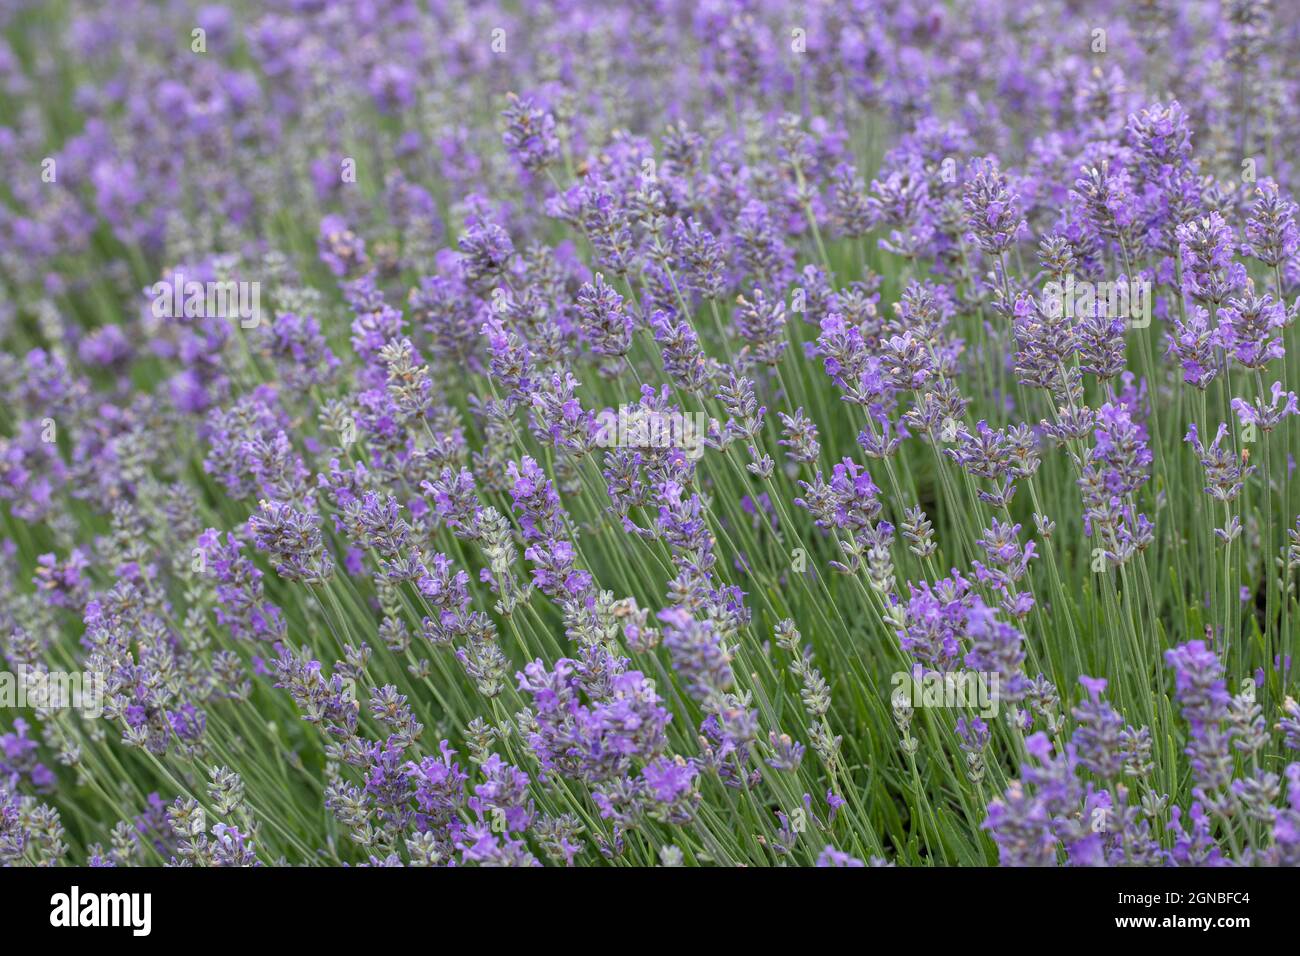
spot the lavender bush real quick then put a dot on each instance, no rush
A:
(714, 433)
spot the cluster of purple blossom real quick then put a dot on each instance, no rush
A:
(385, 510)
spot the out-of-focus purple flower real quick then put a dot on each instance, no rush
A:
(1200, 688)
(605, 324)
(698, 653)
(530, 134)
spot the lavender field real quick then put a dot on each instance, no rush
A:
(649, 433)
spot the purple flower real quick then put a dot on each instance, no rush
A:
(996, 649)
(1225, 471)
(761, 324)
(1192, 342)
(1200, 688)
(701, 257)
(1271, 233)
(1250, 329)
(486, 251)
(504, 792)
(530, 134)
(698, 654)
(341, 249)
(833, 857)
(604, 322)
(935, 622)
(1267, 415)
(1098, 736)
(600, 739)
(293, 539)
(992, 208)
(1210, 275)
(761, 247)
(240, 604)
(559, 417)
